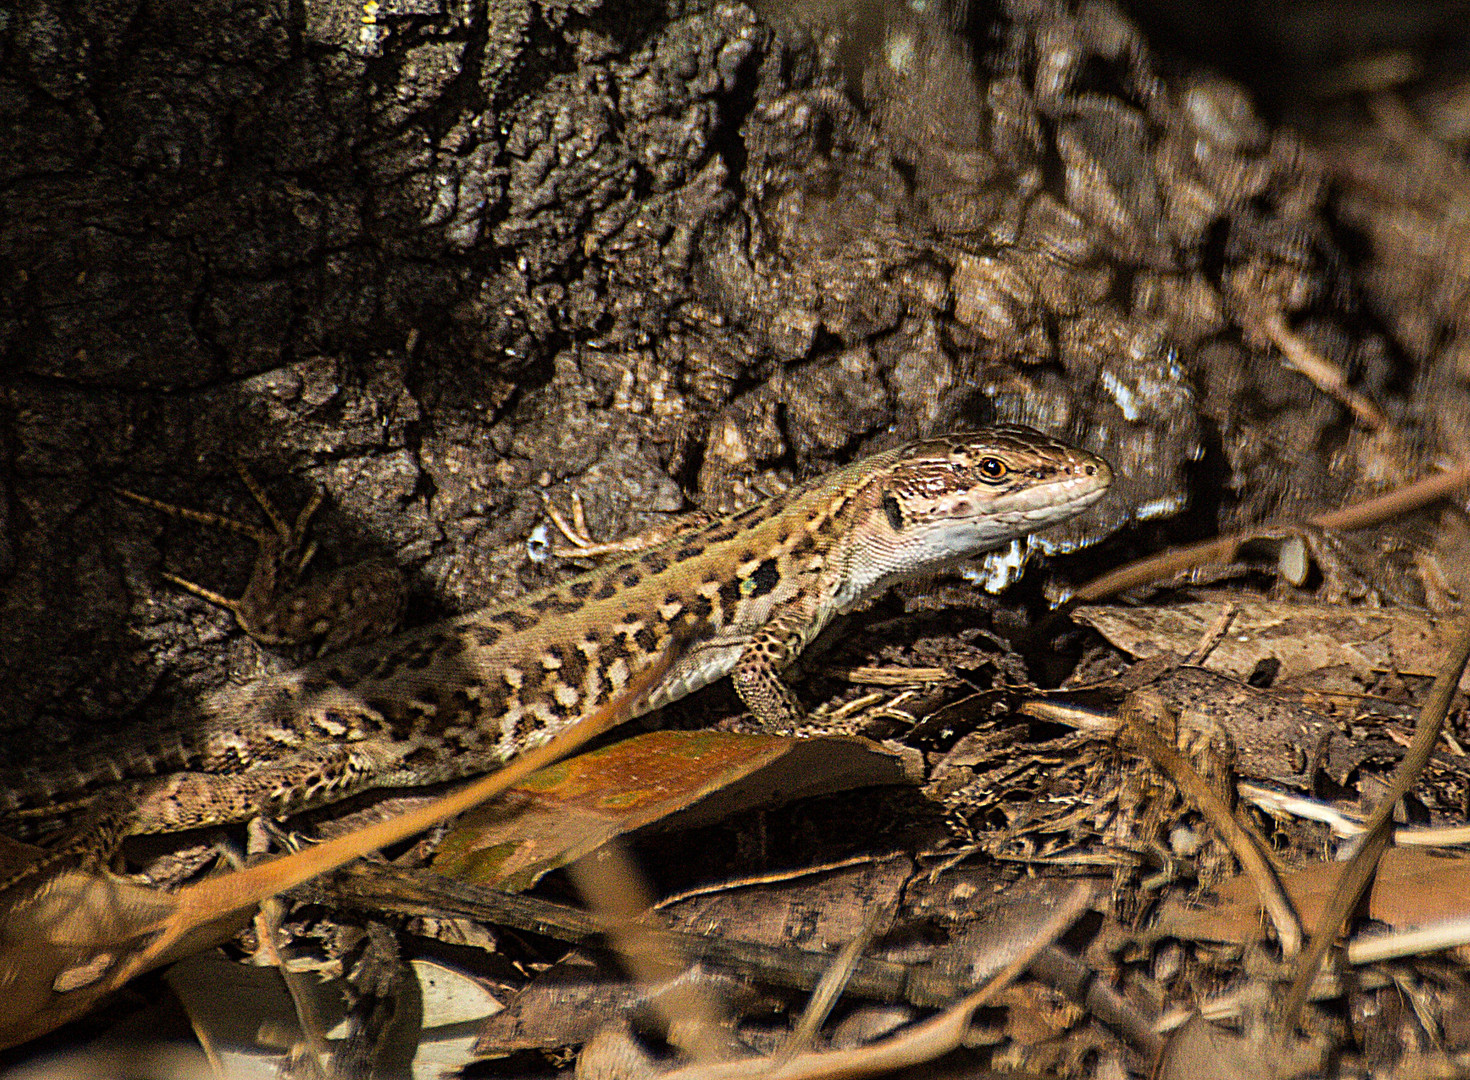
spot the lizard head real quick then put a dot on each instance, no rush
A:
(946, 498)
(991, 486)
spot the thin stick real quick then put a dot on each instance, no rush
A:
(1223, 549)
(1140, 712)
(1377, 832)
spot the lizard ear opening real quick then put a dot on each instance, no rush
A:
(894, 512)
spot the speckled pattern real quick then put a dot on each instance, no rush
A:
(742, 595)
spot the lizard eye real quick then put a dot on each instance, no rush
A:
(894, 512)
(993, 470)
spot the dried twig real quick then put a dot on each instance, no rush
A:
(915, 1045)
(1139, 712)
(1377, 833)
(1225, 548)
(1326, 375)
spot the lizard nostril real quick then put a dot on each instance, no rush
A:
(1091, 470)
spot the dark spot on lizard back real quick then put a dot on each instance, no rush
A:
(491, 702)
(580, 589)
(647, 640)
(689, 551)
(749, 514)
(655, 561)
(631, 579)
(574, 668)
(607, 591)
(516, 620)
(421, 657)
(805, 546)
(390, 663)
(765, 578)
(730, 594)
(528, 725)
(426, 652)
(485, 636)
(555, 604)
(381, 706)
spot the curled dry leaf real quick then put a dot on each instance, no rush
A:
(564, 812)
(1301, 637)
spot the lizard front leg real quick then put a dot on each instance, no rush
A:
(757, 673)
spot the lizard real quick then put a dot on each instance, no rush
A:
(740, 595)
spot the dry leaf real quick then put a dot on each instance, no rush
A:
(1412, 888)
(562, 813)
(1302, 637)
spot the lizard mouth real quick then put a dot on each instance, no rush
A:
(1040, 508)
(1063, 501)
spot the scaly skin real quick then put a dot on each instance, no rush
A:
(741, 596)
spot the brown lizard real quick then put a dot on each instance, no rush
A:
(741, 595)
